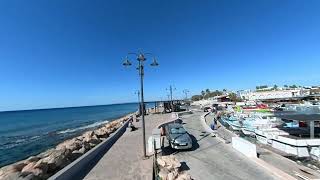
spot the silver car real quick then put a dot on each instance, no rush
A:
(178, 137)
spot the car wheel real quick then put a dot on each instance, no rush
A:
(170, 144)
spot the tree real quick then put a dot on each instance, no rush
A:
(234, 97)
(203, 93)
(275, 87)
(286, 86)
(293, 86)
(196, 97)
(207, 91)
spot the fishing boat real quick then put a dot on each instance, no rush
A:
(258, 121)
(293, 139)
(232, 122)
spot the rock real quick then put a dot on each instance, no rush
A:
(86, 146)
(32, 159)
(30, 177)
(80, 138)
(161, 162)
(88, 134)
(184, 176)
(101, 133)
(172, 175)
(73, 144)
(58, 159)
(11, 170)
(169, 162)
(41, 164)
(92, 140)
(102, 139)
(28, 168)
(163, 173)
(75, 155)
(46, 153)
(17, 166)
(37, 172)
(82, 150)
(11, 176)
(107, 126)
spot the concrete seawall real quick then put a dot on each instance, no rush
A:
(80, 167)
(204, 123)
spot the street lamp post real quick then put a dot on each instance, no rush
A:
(139, 107)
(141, 58)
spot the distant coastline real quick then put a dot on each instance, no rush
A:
(49, 108)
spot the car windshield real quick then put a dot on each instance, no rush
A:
(178, 130)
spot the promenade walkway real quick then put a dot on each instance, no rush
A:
(124, 160)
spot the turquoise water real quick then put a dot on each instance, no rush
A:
(26, 133)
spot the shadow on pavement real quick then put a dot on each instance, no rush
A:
(203, 136)
(184, 166)
(195, 144)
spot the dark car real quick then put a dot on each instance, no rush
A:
(206, 109)
(178, 137)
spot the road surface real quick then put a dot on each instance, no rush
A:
(212, 159)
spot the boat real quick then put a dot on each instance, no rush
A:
(258, 121)
(232, 122)
(291, 138)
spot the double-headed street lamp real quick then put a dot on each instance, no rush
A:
(141, 57)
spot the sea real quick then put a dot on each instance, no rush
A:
(30, 132)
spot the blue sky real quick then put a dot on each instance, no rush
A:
(69, 52)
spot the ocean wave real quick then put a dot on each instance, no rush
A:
(18, 142)
(83, 127)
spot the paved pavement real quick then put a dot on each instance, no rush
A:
(212, 159)
(124, 160)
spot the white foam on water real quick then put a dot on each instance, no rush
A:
(18, 142)
(83, 127)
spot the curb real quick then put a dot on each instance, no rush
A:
(273, 170)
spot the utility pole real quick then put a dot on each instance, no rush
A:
(186, 91)
(171, 99)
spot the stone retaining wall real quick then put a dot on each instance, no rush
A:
(74, 154)
(79, 168)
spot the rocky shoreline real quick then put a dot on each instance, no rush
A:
(46, 164)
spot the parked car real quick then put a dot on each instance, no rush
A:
(178, 137)
(206, 109)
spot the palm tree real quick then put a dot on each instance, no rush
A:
(275, 87)
(207, 91)
(203, 93)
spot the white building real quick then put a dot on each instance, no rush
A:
(273, 94)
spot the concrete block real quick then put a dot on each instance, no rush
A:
(244, 146)
(150, 145)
